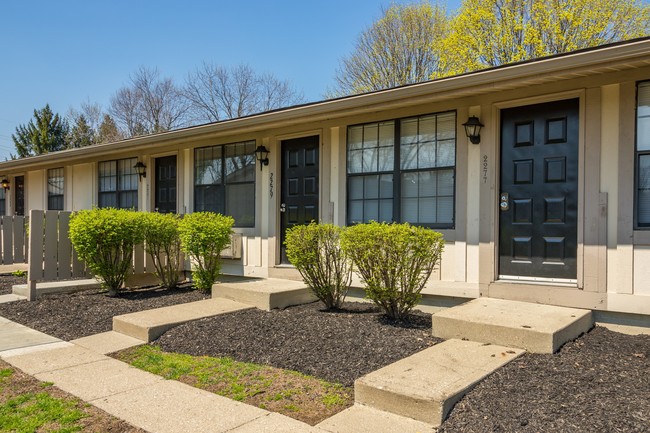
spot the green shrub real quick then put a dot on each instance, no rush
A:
(394, 262)
(203, 236)
(162, 242)
(104, 239)
(315, 251)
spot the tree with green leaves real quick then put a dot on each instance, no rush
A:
(46, 132)
(488, 33)
(402, 47)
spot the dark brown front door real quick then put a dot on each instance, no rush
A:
(19, 195)
(299, 193)
(539, 191)
(165, 184)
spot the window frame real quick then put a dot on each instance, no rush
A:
(637, 157)
(397, 171)
(224, 183)
(118, 192)
(3, 202)
(51, 196)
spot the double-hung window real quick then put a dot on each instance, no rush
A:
(224, 181)
(55, 189)
(403, 171)
(643, 155)
(118, 184)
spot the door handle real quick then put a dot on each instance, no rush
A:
(283, 207)
(504, 201)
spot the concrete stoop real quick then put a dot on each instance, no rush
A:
(537, 328)
(50, 287)
(150, 324)
(263, 293)
(426, 385)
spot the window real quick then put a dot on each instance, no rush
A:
(643, 155)
(118, 184)
(224, 181)
(412, 181)
(55, 189)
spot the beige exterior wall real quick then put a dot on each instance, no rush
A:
(612, 257)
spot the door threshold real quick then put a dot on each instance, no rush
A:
(564, 282)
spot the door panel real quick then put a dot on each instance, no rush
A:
(300, 189)
(539, 191)
(165, 184)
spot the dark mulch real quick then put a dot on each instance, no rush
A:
(7, 281)
(597, 383)
(74, 315)
(337, 346)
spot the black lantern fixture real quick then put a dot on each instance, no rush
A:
(473, 129)
(4, 183)
(141, 169)
(262, 155)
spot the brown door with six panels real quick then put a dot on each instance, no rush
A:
(538, 217)
(299, 192)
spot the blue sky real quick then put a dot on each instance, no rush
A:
(69, 51)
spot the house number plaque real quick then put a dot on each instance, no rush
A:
(271, 185)
(484, 170)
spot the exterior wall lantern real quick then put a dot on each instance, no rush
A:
(262, 155)
(141, 169)
(4, 183)
(473, 129)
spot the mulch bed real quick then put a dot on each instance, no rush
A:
(7, 281)
(74, 315)
(597, 383)
(336, 346)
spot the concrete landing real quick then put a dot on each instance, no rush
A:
(151, 324)
(364, 419)
(49, 287)
(537, 328)
(16, 336)
(425, 386)
(263, 293)
(11, 298)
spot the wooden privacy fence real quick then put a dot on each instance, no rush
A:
(13, 242)
(52, 258)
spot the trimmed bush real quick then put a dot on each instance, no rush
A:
(203, 236)
(316, 252)
(394, 261)
(104, 239)
(162, 242)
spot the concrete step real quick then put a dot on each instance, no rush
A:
(49, 287)
(11, 298)
(427, 385)
(263, 293)
(107, 342)
(151, 324)
(364, 419)
(537, 328)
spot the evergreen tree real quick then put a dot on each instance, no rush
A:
(81, 134)
(45, 133)
(108, 131)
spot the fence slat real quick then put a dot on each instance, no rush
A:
(51, 237)
(35, 262)
(78, 267)
(19, 239)
(65, 247)
(138, 259)
(7, 244)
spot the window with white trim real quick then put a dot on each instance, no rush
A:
(55, 187)
(118, 184)
(224, 181)
(642, 198)
(413, 181)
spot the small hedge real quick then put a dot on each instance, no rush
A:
(315, 251)
(162, 242)
(104, 239)
(395, 261)
(203, 236)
